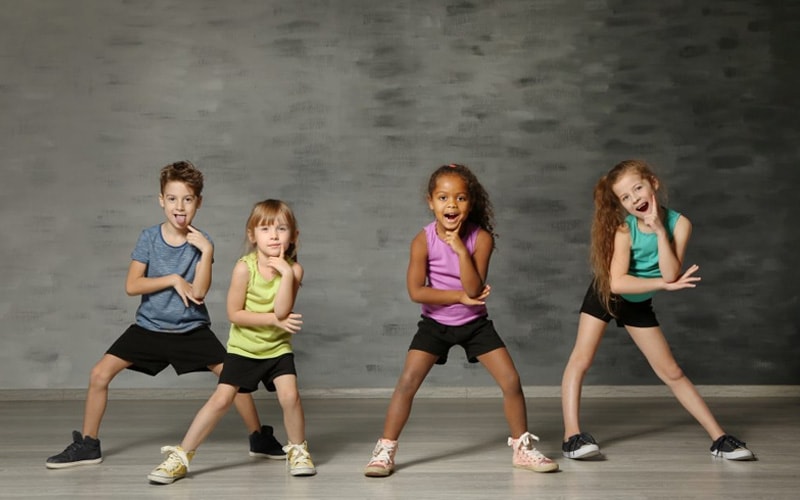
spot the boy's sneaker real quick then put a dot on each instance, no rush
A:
(528, 457)
(174, 467)
(264, 444)
(299, 460)
(731, 448)
(82, 451)
(580, 446)
(382, 463)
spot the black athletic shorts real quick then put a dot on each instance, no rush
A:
(151, 352)
(245, 373)
(476, 337)
(639, 314)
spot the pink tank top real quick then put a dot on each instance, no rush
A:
(443, 274)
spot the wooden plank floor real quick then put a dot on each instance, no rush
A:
(451, 448)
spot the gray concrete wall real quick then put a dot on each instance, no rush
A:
(343, 109)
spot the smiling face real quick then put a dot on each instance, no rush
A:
(270, 239)
(635, 193)
(449, 201)
(180, 205)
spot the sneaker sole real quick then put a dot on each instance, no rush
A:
(735, 455)
(303, 472)
(586, 451)
(546, 468)
(162, 480)
(267, 455)
(377, 472)
(66, 465)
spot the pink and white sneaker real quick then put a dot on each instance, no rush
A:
(526, 456)
(382, 463)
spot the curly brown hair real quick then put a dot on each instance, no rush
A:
(182, 171)
(609, 216)
(481, 210)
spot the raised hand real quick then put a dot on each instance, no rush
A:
(279, 264)
(687, 280)
(651, 218)
(291, 323)
(476, 301)
(197, 240)
(453, 239)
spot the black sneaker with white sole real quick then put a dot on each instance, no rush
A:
(83, 451)
(727, 446)
(580, 446)
(263, 444)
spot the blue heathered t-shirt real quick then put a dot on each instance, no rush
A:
(163, 311)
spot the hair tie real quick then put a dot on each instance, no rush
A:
(452, 165)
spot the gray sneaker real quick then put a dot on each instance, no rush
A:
(82, 451)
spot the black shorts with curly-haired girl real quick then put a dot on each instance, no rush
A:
(639, 314)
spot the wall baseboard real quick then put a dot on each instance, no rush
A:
(589, 391)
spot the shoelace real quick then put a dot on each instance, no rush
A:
(298, 455)
(382, 453)
(526, 446)
(175, 458)
(733, 441)
(579, 440)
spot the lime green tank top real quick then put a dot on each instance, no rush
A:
(260, 342)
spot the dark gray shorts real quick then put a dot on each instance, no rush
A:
(476, 337)
(639, 314)
(245, 373)
(151, 352)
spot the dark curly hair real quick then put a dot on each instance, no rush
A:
(481, 211)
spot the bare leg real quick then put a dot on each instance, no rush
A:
(654, 346)
(417, 366)
(101, 376)
(590, 333)
(501, 367)
(245, 406)
(209, 416)
(293, 417)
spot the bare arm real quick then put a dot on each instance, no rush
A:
(416, 276)
(624, 283)
(202, 272)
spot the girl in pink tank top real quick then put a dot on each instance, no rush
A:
(447, 275)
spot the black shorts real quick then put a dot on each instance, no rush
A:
(639, 314)
(245, 373)
(476, 337)
(151, 352)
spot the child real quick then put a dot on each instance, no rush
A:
(447, 274)
(262, 293)
(171, 270)
(637, 249)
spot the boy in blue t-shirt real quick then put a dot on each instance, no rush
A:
(171, 270)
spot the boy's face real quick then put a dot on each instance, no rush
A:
(180, 204)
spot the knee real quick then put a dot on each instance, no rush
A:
(407, 384)
(579, 363)
(671, 374)
(221, 401)
(288, 398)
(510, 385)
(100, 378)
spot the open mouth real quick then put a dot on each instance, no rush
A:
(643, 207)
(450, 217)
(180, 219)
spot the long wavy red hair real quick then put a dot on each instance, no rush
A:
(609, 216)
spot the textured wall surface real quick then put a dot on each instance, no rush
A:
(343, 109)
